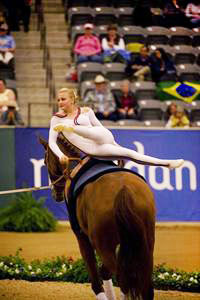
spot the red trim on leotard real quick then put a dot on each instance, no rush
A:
(60, 115)
(76, 117)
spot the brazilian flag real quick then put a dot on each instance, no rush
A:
(186, 91)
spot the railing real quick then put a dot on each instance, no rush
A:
(47, 65)
(40, 13)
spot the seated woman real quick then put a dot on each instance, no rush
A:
(173, 14)
(178, 119)
(114, 47)
(126, 102)
(162, 67)
(192, 11)
(83, 130)
(88, 46)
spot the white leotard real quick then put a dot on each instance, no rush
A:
(86, 120)
(92, 138)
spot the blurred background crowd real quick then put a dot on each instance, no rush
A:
(125, 57)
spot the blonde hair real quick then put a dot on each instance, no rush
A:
(71, 92)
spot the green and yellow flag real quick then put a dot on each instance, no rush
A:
(185, 91)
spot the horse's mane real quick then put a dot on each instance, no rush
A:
(66, 147)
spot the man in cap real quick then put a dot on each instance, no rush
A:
(88, 46)
(102, 100)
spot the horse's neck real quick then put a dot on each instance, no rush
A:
(67, 148)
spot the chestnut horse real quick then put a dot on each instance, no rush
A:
(116, 214)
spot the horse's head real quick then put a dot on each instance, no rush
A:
(51, 160)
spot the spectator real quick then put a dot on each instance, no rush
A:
(192, 11)
(102, 100)
(17, 11)
(162, 67)
(178, 119)
(140, 66)
(114, 47)
(88, 46)
(25, 13)
(142, 15)
(6, 95)
(171, 110)
(11, 116)
(7, 49)
(126, 102)
(174, 15)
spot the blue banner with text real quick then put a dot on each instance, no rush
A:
(177, 192)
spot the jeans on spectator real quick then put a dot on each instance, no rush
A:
(91, 58)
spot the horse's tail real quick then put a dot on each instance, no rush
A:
(133, 258)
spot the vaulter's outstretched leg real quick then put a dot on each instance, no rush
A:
(104, 146)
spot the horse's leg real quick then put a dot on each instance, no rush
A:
(107, 283)
(88, 255)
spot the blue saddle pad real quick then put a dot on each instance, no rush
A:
(92, 170)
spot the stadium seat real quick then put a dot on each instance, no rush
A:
(108, 123)
(184, 54)
(100, 3)
(195, 115)
(184, 58)
(105, 19)
(124, 3)
(76, 31)
(87, 71)
(113, 67)
(104, 11)
(198, 60)
(180, 36)
(125, 10)
(157, 39)
(157, 35)
(76, 3)
(11, 84)
(149, 111)
(144, 85)
(79, 11)
(153, 123)
(157, 30)
(180, 40)
(128, 122)
(195, 124)
(196, 41)
(7, 74)
(114, 71)
(188, 72)
(86, 86)
(134, 38)
(145, 94)
(115, 75)
(133, 30)
(125, 20)
(81, 19)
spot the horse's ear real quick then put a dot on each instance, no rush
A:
(43, 142)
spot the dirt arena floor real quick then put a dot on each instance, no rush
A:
(176, 245)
